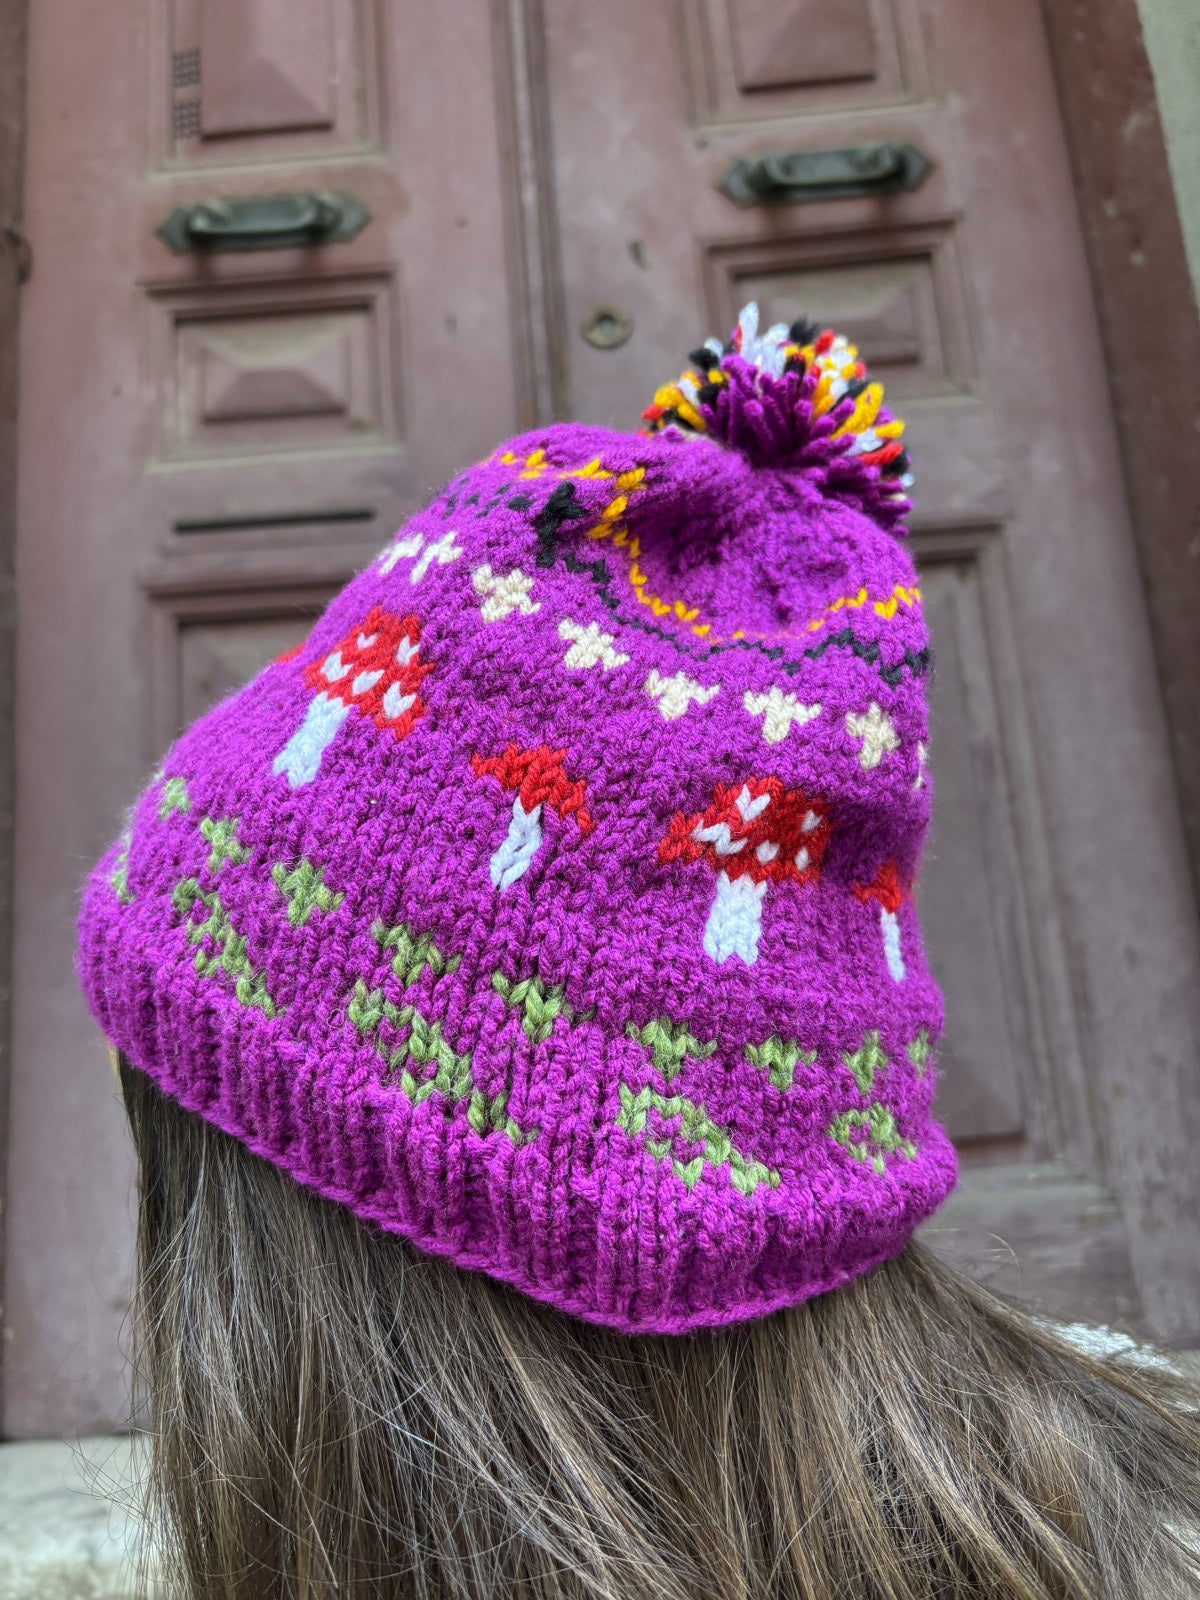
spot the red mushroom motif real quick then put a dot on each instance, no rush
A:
(376, 670)
(539, 779)
(754, 834)
(887, 890)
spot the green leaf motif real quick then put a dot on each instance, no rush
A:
(883, 1137)
(304, 889)
(717, 1149)
(423, 1047)
(220, 833)
(670, 1043)
(778, 1057)
(412, 953)
(229, 957)
(118, 878)
(918, 1051)
(175, 798)
(539, 1006)
(866, 1061)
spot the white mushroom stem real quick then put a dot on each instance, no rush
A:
(735, 921)
(520, 845)
(301, 756)
(891, 944)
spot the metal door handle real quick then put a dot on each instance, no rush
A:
(264, 222)
(793, 176)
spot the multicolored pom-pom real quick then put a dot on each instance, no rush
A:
(797, 398)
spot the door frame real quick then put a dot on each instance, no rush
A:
(1142, 285)
(14, 267)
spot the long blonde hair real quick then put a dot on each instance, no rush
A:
(335, 1415)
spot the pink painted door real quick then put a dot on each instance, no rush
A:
(1056, 890)
(213, 439)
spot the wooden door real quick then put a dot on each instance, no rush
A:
(211, 442)
(1055, 893)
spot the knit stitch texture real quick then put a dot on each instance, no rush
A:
(552, 904)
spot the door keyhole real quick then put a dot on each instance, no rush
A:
(607, 328)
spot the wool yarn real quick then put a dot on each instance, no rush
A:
(551, 905)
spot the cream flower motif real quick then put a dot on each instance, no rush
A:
(443, 551)
(502, 595)
(780, 712)
(589, 646)
(400, 550)
(676, 693)
(877, 733)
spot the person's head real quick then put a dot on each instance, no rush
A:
(528, 1042)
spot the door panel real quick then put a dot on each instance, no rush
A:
(777, 47)
(244, 80)
(969, 297)
(970, 888)
(211, 632)
(898, 292)
(312, 371)
(751, 59)
(217, 657)
(267, 66)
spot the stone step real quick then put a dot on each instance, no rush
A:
(68, 1523)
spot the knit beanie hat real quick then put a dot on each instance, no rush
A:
(551, 905)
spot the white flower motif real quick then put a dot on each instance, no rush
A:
(399, 550)
(676, 693)
(502, 595)
(443, 551)
(779, 711)
(876, 732)
(590, 647)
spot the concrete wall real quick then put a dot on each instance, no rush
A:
(1171, 29)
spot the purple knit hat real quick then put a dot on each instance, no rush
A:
(551, 904)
